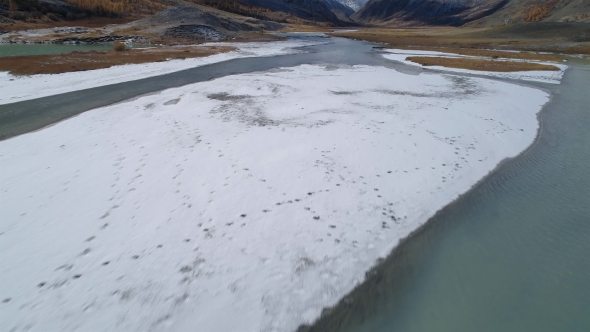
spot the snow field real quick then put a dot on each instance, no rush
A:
(246, 203)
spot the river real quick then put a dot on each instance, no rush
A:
(510, 255)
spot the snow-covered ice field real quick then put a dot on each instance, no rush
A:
(544, 76)
(246, 203)
(19, 88)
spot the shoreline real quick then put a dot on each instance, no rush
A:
(543, 76)
(332, 316)
(28, 115)
(427, 222)
(23, 88)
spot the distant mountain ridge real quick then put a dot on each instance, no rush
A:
(354, 4)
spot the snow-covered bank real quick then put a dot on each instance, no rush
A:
(247, 203)
(544, 76)
(19, 88)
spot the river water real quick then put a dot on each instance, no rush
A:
(513, 254)
(510, 255)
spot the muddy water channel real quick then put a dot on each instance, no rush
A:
(510, 255)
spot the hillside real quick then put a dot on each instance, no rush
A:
(519, 11)
(341, 11)
(323, 12)
(354, 4)
(313, 10)
(474, 12)
(188, 24)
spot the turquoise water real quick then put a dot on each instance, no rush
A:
(511, 255)
(39, 49)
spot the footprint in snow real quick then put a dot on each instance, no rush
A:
(172, 102)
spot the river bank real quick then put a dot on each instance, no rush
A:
(20, 88)
(94, 60)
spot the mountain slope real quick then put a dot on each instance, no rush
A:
(315, 10)
(354, 4)
(328, 12)
(517, 11)
(341, 11)
(426, 12)
(480, 12)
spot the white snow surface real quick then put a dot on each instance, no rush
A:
(354, 4)
(19, 88)
(545, 76)
(246, 203)
(344, 30)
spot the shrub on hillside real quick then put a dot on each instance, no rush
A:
(27, 5)
(114, 8)
(119, 46)
(536, 14)
(100, 7)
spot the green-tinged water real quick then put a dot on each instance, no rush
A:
(39, 49)
(511, 255)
